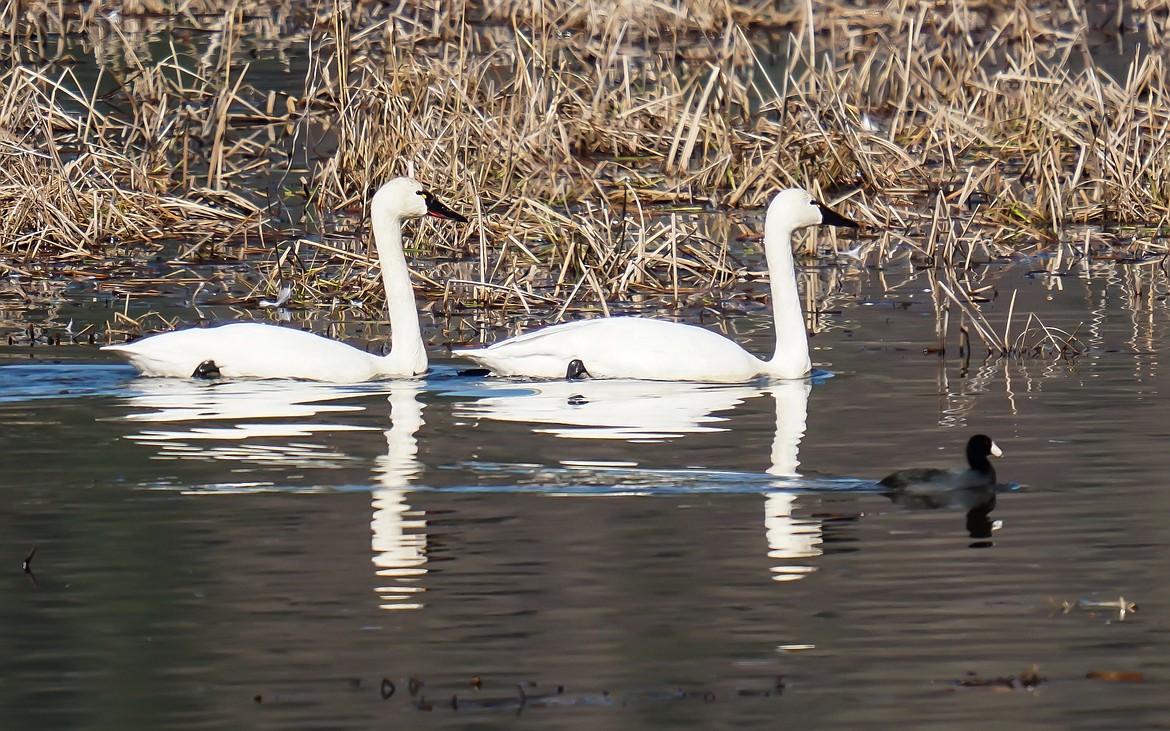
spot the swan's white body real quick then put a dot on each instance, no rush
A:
(635, 347)
(629, 347)
(256, 350)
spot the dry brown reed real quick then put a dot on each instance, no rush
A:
(68, 191)
(585, 135)
(895, 105)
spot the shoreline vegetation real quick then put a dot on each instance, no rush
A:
(606, 151)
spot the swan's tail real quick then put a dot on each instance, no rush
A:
(478, 356)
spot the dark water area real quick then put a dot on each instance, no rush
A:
(569, 555)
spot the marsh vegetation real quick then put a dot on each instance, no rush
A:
(613, 154)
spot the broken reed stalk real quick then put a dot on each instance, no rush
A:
(982, 327)
(1063, 344)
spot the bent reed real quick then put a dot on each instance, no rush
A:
(587, 141)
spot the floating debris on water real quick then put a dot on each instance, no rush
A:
(1113, 675)
(1119, 605)
(1027, 680)
(528, 695)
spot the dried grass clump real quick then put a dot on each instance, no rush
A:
(35, 22)
(577, 261)
(1005, 103)
(574, 131)
(69, 186)
(679, 100)
(645, 19)
(542, 120)
(974, 98)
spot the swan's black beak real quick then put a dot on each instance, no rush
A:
(829, 217)
(438, 209)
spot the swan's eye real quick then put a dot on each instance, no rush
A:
(426, 196)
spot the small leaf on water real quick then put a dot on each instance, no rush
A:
(1113, 675)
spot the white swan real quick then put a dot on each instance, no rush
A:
(636, 347)
(256, 350)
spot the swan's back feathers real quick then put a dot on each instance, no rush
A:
(538, 337)
(253, 350)
(621, 347)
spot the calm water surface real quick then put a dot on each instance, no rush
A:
(284, 555)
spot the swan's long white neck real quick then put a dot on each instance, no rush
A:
(407, 350)
(791, 359)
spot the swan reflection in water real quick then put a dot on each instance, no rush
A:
(639, 411)
(266, 424)
(399, 533)
(251, 421)
(789, 538)
(606, 409)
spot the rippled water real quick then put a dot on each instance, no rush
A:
(289, 555)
